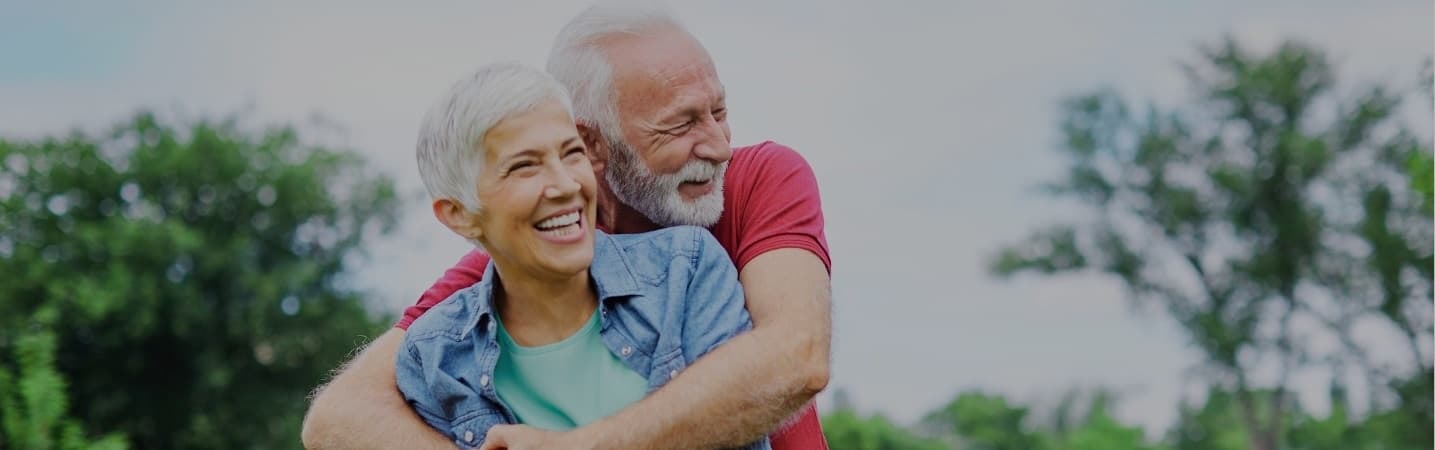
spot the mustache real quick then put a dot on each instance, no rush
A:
(697, 171)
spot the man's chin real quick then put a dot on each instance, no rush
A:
(702, 212)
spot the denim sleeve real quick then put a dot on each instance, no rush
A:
(409, 372)
(715, 306)
(715, 309)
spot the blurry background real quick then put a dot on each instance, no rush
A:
(1079, 225)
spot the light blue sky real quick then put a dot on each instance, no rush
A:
(929, 124)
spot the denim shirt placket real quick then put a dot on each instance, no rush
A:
(488, 360)
(634, 356)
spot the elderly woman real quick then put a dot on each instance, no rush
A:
(569, 324)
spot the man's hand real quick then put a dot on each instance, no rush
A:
(524, 437)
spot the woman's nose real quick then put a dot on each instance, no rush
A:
(562, 184)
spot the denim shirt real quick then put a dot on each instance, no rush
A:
(665, 298)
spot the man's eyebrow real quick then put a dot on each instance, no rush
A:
(673, 113)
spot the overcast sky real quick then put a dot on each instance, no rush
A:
(929, 124)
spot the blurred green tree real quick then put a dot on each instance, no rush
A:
(845, 429)
(977, 420)
(188, 280)
(1216, 425)
(982, 421)
(1099, 430)
(33, 402)
(1270, 207)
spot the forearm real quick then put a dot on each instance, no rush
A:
(732, 396)
(362, 408)
(747, 386)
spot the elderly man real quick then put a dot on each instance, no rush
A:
(650, 109)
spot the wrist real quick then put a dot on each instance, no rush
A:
(582, 438)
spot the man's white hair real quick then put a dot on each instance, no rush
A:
(578, 61)
(450, 152)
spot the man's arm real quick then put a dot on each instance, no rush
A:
(746, 387)
(362, 408)
(749, 385)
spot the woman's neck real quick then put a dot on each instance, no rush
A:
(539, 311)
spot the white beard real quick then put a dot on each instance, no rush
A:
(657, 196)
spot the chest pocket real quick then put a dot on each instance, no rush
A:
(469, 433)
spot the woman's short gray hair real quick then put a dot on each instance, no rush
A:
(578, 62)
(450, 152)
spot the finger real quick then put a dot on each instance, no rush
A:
(490, 443)
(497, 437)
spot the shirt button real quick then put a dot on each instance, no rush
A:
(483, 380)
(468, 436)
(673, 374)
(626, 350)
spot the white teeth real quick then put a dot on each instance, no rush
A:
(560, 221)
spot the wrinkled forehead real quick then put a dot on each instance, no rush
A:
(661, 52)
(659, 68)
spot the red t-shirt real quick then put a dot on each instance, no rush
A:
(770, 201)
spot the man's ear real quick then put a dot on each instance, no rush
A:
(596, 145)
(454, 216)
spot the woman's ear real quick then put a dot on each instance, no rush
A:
(457, 218)
(596, 145)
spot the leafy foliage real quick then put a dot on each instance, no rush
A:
(187, 280)
(1270, 201)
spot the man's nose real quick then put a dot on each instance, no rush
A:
(714, 146)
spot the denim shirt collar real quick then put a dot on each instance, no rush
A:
(611, 273)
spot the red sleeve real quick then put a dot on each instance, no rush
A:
(803, 434)
(782, 208)
(464, 274)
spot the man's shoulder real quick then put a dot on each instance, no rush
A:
(764, 155)
(758, 172)
(771, 200)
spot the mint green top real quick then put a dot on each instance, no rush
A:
(566, 384)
